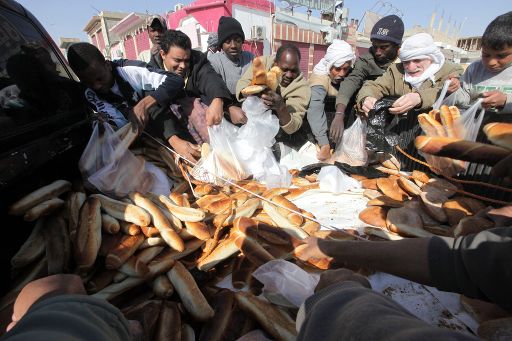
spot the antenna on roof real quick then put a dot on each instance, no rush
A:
(94, 8)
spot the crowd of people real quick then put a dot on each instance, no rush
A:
(183, 91)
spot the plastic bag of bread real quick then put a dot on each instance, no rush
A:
(222, 161)
(352, 149)
(449, 122)
(254, 141)
(108, 166)
(285, 283)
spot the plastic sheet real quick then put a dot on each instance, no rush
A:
(332, 179)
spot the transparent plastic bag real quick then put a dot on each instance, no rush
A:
(285, 283)
(108, 166)
(466, 127)
(237, 153)
(332, 179)
(352, 149)
(222, 161)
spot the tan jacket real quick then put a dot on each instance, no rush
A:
(296, 95)
(392, 83)
(325, 82)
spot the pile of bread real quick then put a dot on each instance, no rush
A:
(159, 258)
(419, 206)
(262, 79)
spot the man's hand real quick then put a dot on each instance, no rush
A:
(186, 149)
(237, 115)
(330, 277)
(455, 83)
(337, 128)
(273, 100)
(368, 104)
(44, 287)
(139, 113)
(324, 152)
(405, 103)
(494, 99)
(215, 112)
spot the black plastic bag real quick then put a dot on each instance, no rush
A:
(380, 134)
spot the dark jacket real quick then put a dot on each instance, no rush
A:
(156, 59)
(203, 82)
(365, 68)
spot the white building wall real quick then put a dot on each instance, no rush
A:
(249, 17)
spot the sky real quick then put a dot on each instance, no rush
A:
(67, 18)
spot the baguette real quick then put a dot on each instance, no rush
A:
(52, 190)
(224, 250)
(88, 234)
(110, 224)
(293, 218)
(162, 287)
(43, 209)
(58, 246)
(246, 239)
(187, 333)
(115, 289)
(128, 228)
(283, 222)
(75, 202)
(134, 267)
(430, 126)
(148, 254)
(147, 314)
(151, 242)
(224, 304)
(124, 211)
(120, 254)
(198, 230)
(149, 231)
(32, 248)
(500, 134)
(209, 199)
(186, 287)
(275, 322)
(169, 322)
(246, 210)
(461, 150)
(159, 219)
(176, 224)
(108, 242)
(182, 213)
(447, 121)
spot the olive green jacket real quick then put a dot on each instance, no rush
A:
(392, 83)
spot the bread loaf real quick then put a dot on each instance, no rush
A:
(42, 194)
(88, 235)
(130, 229)
(32, 248)
(461, 150)
(162, 287)
(109, 224)
(374, 215)
(391, 189)
(58, 246)
(75, 202)
(120, 254)
(124, 211)
(499, 133)
(43, 209)
(186, 287)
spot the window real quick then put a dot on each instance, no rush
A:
(37, 93)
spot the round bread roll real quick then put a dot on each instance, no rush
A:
(433, 204)
(438, 186)
(374, 215)
(405, 222)
(369, 184)
(385, 201)
(407, 185)
(391, 189)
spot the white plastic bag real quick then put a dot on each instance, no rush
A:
(332, 179)
(222, 162)
(285, 283)
(254, 141)
(236, 153)
(465, 127)
(352, 149)
(107, 165)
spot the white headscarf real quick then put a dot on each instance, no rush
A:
(338, 53)
(421, 46)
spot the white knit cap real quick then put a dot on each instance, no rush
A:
(338, 53)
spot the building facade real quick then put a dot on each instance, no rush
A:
(98, 30)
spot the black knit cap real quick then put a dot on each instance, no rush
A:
(227, 27)
(389, 28)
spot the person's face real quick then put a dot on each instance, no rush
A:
(176, 60)
(496, 60)
(155, 34)
(98, 76)
(232, 47)
(384, 50)
(338, 73)
(289, 64)
(416, 67)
